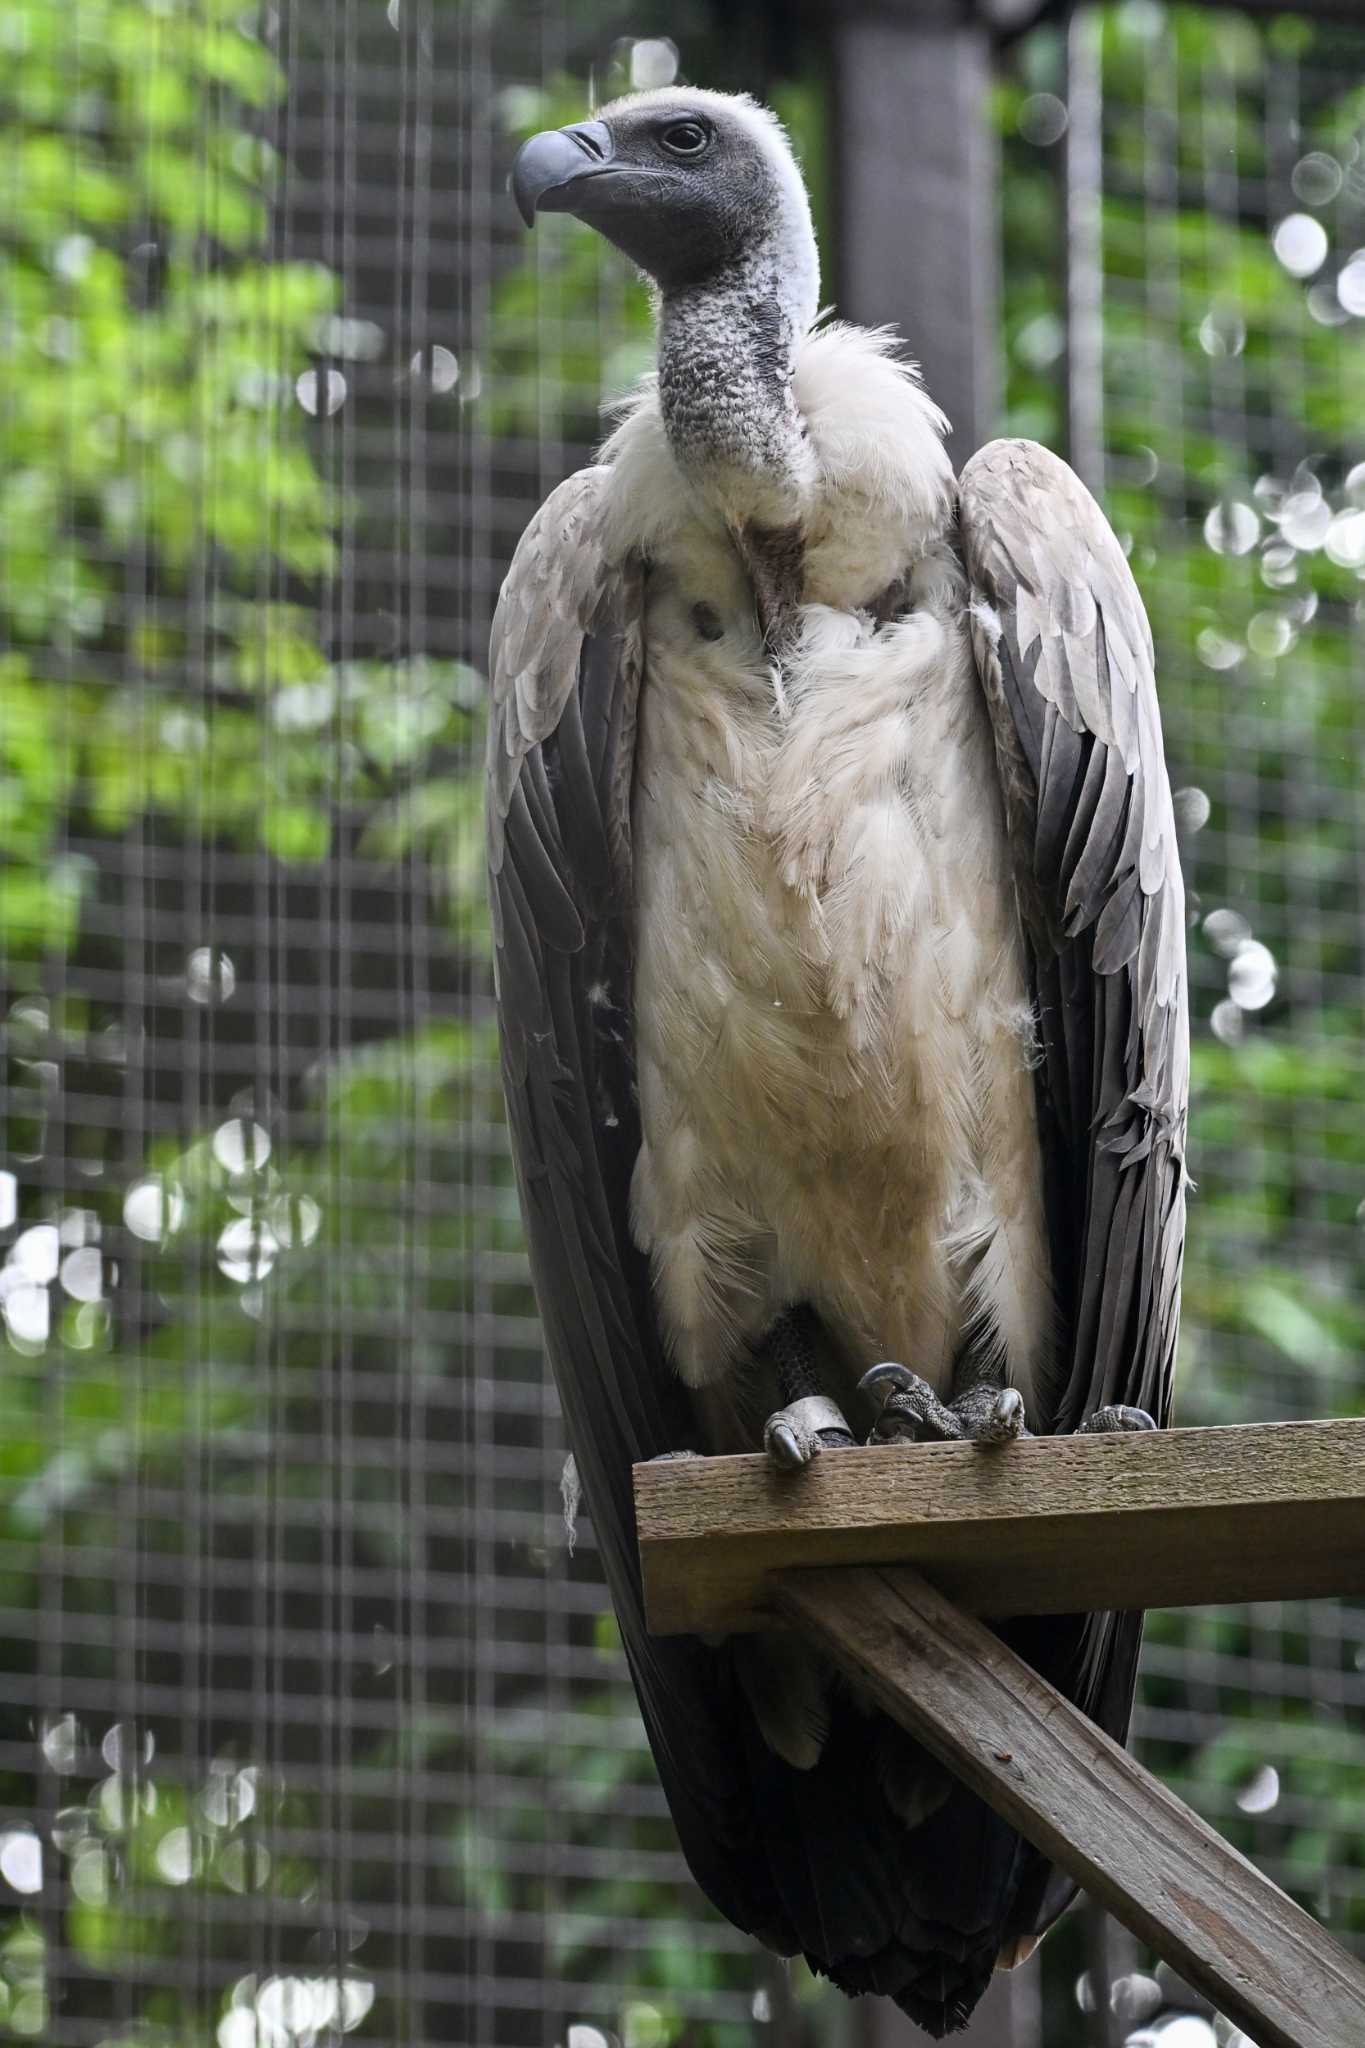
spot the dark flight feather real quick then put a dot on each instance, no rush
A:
(1065, 656)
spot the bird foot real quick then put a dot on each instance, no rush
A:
(804, 1428)
(911, 1412)
(1116, 1417)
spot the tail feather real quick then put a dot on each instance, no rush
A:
(912, 1914)
(920, 1913)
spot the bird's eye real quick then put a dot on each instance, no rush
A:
(685, 138)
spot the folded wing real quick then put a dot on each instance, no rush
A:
(1065, 658)
(566, 665)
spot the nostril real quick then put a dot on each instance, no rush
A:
(593, 138)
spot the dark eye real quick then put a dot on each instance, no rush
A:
(685, 138)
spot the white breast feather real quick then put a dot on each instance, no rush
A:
(833, 1031)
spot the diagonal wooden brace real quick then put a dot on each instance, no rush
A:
(1050, 1525)
(1133, 1845)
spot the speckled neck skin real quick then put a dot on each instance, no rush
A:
(726, 349)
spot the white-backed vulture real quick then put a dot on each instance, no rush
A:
(840, 954)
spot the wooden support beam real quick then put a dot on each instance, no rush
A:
(916, 195)
(1084, 1801)
(1051, 1525)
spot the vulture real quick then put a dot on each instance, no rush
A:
(839, 940)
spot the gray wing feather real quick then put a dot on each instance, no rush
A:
(1065, 657)
(566, 664)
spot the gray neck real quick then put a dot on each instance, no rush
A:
(726, 351)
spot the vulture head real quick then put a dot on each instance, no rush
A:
(697, 188)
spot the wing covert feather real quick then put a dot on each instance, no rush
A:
(1065, 657)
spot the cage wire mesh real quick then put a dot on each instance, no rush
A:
(1217, 407)
(313, 1725)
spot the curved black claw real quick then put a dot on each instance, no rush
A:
(891, 1376)
(804, 1428)
(908, 1409)
(911, 1412)
(788, 1449)
(1114, 1417)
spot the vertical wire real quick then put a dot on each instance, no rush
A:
(1303, 804)
(49, 1366)
(1279, 104)
(555, 346)
(343, 652)
(407, 421)
(262, 1852)
(410, 426)
(198, 1364)
(475, 491)
(271, 1374)
(1350, 229)
(1084, 176)
(479, 1418)
(480, 1502)
(412, 1015)
(335, 1359)
(138, 944)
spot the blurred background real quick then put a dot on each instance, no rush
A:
(311, 1724)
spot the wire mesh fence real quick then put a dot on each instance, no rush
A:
(1225, 430)
(313, 1723)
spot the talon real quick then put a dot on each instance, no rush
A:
(783, 1446)
(910, 1411)
(1117, 1416)
(880, 1381)
(1006, 1421)
(800, 1431)
(900, 1422)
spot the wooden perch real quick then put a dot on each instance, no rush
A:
(1132, 1844)
(1052, 1525)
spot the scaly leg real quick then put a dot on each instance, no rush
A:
(808, 1421)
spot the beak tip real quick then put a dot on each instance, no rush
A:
(551, 164)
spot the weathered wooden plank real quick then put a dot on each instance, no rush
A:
(1051, 1525)
(1066, 1786)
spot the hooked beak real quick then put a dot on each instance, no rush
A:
(552, 165)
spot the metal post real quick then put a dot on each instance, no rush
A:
(916, 192)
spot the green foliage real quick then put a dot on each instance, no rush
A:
(570, 326)
(161, 519)
(152, 457)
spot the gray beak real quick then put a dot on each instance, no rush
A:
(553, 163)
